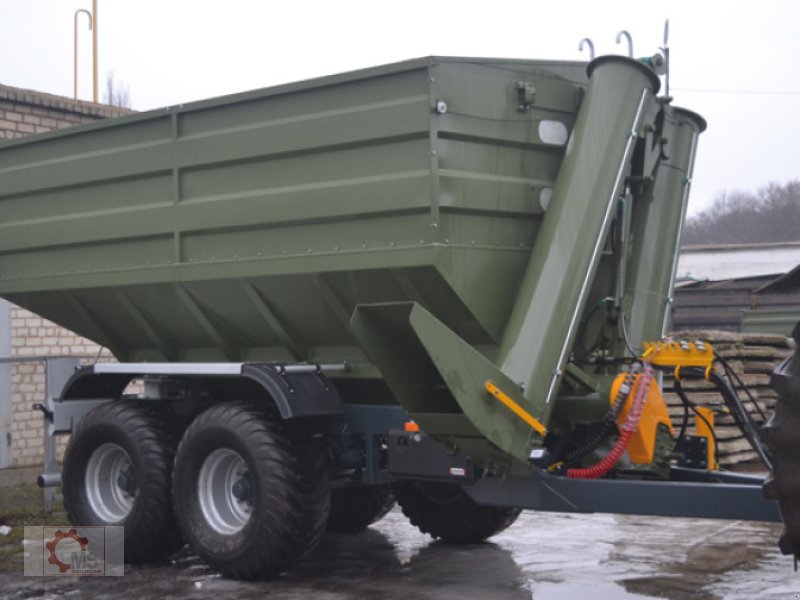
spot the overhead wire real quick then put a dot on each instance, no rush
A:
(737, 92)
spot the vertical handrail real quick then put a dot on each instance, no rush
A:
(75, 45)
(627, 36)
(665, 51)
(94, 53)
(590, 45)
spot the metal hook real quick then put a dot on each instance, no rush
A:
(75, 45)
(627, 36)
(588, 43)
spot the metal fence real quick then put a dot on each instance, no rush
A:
(6, 412)
(25, 382)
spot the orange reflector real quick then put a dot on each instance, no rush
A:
(411, 427)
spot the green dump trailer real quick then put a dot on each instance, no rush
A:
(427, 282)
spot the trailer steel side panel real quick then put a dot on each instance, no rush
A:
(249, 227)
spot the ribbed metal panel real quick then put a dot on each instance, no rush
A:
(249, 227)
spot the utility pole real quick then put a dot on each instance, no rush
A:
(94, 49)
(92, 16)
(75, 46)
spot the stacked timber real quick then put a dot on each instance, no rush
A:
(752, 357)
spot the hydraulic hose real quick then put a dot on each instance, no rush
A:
(630, 425)
(741, 417)
(608, 423)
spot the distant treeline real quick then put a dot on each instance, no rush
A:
(772, 214)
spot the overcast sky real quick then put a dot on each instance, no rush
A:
(734, 62)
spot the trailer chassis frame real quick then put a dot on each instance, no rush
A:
(690, 493)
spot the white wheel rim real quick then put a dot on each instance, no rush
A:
(110, 483)
(224, 491)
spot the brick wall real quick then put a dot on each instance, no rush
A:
(24, 112)
(27, 431)
(35, 337)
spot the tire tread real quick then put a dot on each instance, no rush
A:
(153, 534)
(458, 522)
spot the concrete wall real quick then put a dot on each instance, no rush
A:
(736, 261)
(24, 112)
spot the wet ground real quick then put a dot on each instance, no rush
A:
(542, 556)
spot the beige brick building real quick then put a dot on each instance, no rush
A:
(25, 337)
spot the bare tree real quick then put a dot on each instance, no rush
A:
(117, 92)
(772, 214)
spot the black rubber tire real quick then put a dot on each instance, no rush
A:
(289, 475)
(444, 511)
(782, 436)
(151, 534)
(353, 509)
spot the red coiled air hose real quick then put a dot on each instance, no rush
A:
(631, 423)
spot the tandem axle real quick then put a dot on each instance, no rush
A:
(387, 449)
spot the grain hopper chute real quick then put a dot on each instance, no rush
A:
(442, 275)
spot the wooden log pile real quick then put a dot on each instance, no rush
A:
(752, 357)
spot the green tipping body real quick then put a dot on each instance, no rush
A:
(436, 224)
(250, 227)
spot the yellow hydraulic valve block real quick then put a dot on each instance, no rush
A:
(677, 354)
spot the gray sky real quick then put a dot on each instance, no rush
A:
(733, 62)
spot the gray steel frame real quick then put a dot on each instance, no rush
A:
(315, 395)
(697, 494)
(633, 497)
(206, 368)
(58, 419)
(743, 500)
(687, 493)
(62, 414)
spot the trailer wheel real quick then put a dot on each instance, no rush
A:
(444, 511)
(353, 509)
(117, 471)
(251, 498)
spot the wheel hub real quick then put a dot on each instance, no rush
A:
(126, 482)
(225, 492)
(110, 483)
(241, 489)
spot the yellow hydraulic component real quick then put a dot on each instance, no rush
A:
(641, 448)
(704, 427)
(678, 354)
(532, 421)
